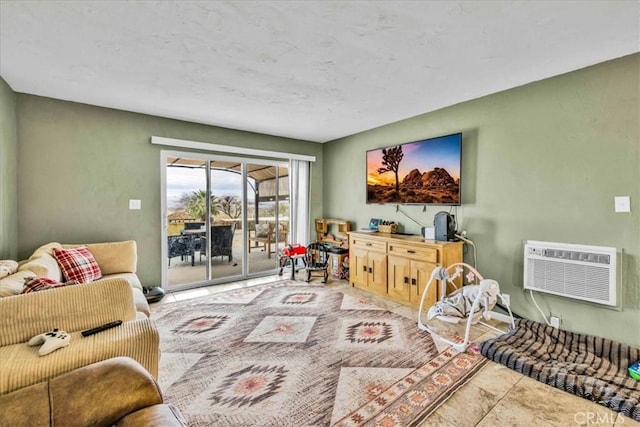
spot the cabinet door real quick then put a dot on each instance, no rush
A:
(399, 278)
(420, 274)
(377, 272)
(358, 267)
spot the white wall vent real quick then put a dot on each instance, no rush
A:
(574, 271)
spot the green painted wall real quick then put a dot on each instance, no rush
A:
(81, 164)
(541, 162)
(8, 173)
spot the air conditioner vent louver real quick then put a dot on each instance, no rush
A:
(581, 272)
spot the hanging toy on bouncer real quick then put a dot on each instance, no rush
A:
(471, 302)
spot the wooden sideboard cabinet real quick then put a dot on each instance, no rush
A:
(368, 264)
(398, 267)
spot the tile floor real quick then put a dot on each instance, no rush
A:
(496, 396)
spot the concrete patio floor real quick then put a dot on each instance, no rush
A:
(181, 272)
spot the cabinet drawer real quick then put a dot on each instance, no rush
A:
(371, 245)
(414, 252)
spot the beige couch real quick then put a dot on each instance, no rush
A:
(115, 259)
(74, 308)
(112, 392)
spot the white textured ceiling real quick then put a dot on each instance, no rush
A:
(312, 70)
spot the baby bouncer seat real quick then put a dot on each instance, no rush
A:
(471, 302)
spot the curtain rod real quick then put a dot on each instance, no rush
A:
(205, 146)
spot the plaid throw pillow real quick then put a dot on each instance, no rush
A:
(35, 284)
(77, 264)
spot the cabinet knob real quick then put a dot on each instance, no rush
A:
(411, 251)
(413, 281)
(406, 279)
(367, 244)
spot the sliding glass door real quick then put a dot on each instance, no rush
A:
(224, 218)
(225, 226)
(267, 215)
(186, 220)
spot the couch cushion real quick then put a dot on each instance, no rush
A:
(13, 285)
(77, 264)
(114, 257)
(69, 308)
(43, 265)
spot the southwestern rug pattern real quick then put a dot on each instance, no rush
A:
(297, 354)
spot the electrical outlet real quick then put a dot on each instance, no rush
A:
(622, 204)
(135, 204)
(555, 321)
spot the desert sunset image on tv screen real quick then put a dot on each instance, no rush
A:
(421, 172)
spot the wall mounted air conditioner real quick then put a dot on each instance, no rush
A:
(580, 272)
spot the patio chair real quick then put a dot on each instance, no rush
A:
(182, 246)
(317, 261)
(222, 240)
(265, 234)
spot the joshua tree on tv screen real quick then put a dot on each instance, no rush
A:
(423, 172)
(391, 158)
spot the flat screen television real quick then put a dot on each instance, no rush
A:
(425, 172)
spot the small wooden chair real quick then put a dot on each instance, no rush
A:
(317, 261)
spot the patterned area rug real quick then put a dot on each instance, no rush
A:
(297, 354)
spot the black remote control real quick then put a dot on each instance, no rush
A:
(101, 328)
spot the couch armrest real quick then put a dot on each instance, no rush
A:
(21, 366)
(28, 406)
(102, 393)
(70, 308)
